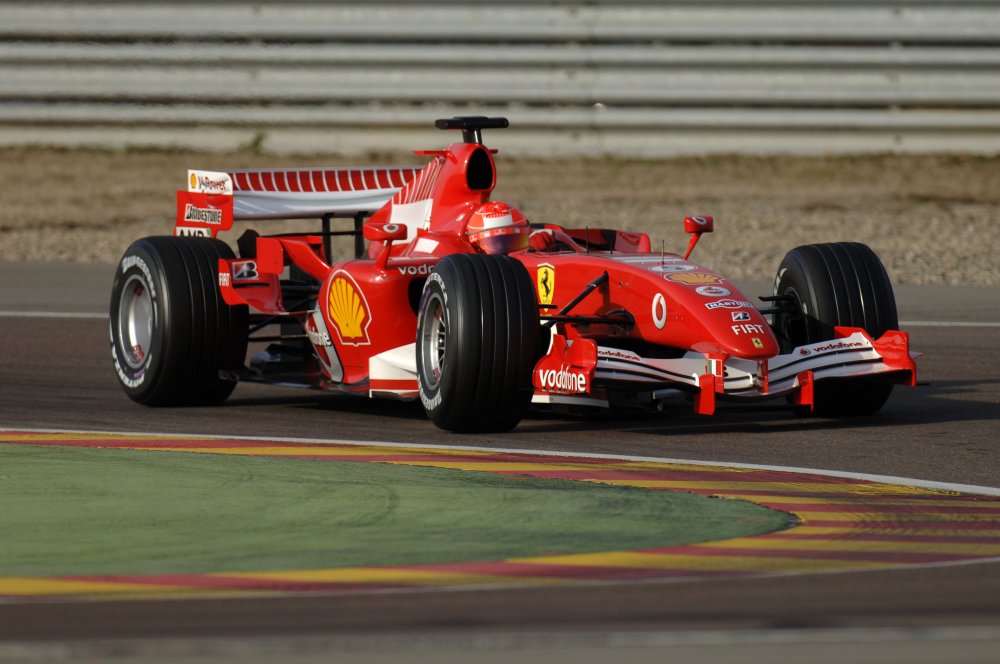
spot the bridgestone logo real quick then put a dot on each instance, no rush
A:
(203, 215)
(565, 381)
(134, 261)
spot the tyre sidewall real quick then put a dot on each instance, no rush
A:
(431, 393)
(139, 263)
(448, 401)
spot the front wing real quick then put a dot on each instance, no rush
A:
(560, 375)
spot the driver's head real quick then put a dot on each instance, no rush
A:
(497, 228)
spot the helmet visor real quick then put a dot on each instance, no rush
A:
(498, 242)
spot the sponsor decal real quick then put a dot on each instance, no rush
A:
(348, 310)
(430, 403)
(757, 343)
(804, 351)
(713, 291)
(739, 316)
(207, 215)
(134, 261)
(415, 270)
(245, 271)
(211, 210)
(747, 328)
(133, 380)
(563, 380)
(210, 182)
(317, 336)
(546, 283)
(187, 231)
(616, 354)
(659, 311)
(728, 304)
(224, 279)
(681, 267)
(695, 278)
(839, 345)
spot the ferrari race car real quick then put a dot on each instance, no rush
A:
(460, 302)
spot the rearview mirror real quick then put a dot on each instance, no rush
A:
(696, 226)
(384, 232)
(699, 224)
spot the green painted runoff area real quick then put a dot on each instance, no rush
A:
(85, 511)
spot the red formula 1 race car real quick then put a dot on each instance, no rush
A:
(461, 302)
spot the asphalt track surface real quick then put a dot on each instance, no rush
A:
(55, 372)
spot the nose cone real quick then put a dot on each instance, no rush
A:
(705, 312)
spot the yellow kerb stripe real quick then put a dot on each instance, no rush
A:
(858, 545)
(414, 577)
(703, 563)
(27, 586)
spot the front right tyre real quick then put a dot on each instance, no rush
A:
(827, 285)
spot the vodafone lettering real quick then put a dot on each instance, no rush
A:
(841, 345)
(563, 380)
(414, 270)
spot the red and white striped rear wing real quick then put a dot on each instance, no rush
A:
(214, 199)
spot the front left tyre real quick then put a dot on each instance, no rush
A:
(171, 331)
(478, 339)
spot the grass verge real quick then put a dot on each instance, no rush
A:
(82, 511)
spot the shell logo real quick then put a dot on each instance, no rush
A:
(348, 310)
(194, 182)
(695, 278)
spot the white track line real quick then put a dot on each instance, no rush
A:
(75, 314)
(882, 479)
(935, 323)
(50, 314)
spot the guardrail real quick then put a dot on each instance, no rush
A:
(632, 78)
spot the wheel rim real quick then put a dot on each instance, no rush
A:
(135, 321)
(433, 341)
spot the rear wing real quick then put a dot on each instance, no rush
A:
(213, 200)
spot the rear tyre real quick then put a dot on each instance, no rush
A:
(171, 331)
(841, 283)
(477, 343)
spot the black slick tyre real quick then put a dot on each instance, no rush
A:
(171, 331)
(477, 343)
(840, 283)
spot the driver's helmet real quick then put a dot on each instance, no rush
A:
(497, 228)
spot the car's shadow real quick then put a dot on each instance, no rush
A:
(337, 403)
(952, 401)
(943, 401)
